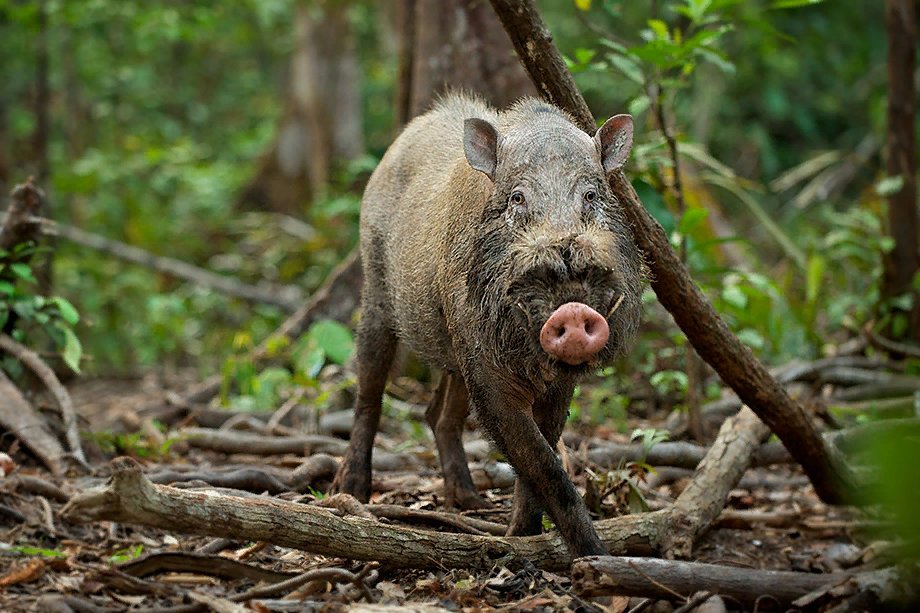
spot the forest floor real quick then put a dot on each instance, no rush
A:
(772, 519)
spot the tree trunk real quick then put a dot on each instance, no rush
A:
(456, 45)
(322, 121)
(902, 262)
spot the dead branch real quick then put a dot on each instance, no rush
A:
(469, 525)
(246, 479)
(704, 497)
(679, 454)
(667, 579)
(33, 362)
(18, 418)
(27, 484)
(285, 297)
(129, 497)
(676, 291)
(212, 565)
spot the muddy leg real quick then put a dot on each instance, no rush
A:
(376, 345)
(549, 412)
(447, 416)
(505, 412)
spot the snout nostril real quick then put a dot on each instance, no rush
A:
(574, 333)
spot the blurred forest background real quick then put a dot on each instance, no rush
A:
(237, 136)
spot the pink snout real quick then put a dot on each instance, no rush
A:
(574, 333)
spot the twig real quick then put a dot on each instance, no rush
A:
(33, 362)
(285, 297)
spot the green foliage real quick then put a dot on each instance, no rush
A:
(127, 554)
(245, 387)
(37, 318)
(135, 444)
(28, 550)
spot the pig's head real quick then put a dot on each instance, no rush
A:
(554, 270)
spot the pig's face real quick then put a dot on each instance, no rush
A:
(556, 274)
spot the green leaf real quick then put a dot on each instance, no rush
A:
(660, 29)
(889, 186)
(66, 310)
(310, 361)
(72, 350)
(630, 69)
(23, 271)
(334, 339)
(752, 338)
(691, 219)
(735, 296)
(790, 4)
(7, 288)
(816, 265)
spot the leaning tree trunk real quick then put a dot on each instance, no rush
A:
(902, 262)
(322, 120)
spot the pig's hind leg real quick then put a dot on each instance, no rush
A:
(447, 416)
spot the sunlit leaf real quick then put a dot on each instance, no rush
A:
(72, 350)
(335, 339)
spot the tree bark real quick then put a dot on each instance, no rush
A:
(597, 576)
(691, 310)
(458, 45)
(322, 121)
(902, 262)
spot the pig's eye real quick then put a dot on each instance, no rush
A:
(517, 198)
(590, 196)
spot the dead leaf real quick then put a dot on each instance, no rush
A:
(28, 572)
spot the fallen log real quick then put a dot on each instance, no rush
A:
(130, 497)
(670, 579)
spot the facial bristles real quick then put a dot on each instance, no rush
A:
(616, 305)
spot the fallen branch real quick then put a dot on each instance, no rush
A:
(703, 499)
(129, 497)
(679, 454)
(670, 579)
(33, 362)
(205, 564)
(18, 418)
(285, 297)
(705, 330)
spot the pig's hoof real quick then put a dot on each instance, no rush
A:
(466, 500)
(346, 482)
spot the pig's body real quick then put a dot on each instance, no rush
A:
(411, 216)
(493, 248)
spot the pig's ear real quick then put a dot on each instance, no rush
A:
(614, 140)
(480, 143)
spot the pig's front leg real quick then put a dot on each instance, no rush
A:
(505, 413)
(549, 412)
